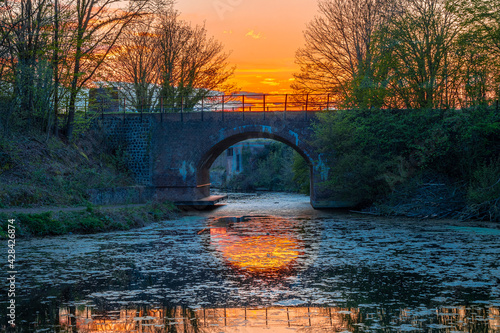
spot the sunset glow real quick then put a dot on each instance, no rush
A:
(262, 37)
(257, 254)
(253, 245)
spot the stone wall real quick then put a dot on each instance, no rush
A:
(172, 153)
(121, 195)
(133, 134)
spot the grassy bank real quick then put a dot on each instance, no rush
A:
(40, 171)
(37, 171)
(89, 220)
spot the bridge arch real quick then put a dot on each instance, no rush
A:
(206, 161)
(171, 156)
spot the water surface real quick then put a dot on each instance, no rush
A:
(264, 263)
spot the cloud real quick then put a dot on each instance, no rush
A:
(270, 81)
(262, 70)
(254, 35)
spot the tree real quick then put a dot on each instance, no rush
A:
(479, 71)
(135, 68)
(96, 29)
(420, 49)
(481, 41)
(337, 57)
(481, 16)
(192, 64)
(26, 71)
(164, 60)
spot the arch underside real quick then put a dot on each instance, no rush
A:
(203, 174)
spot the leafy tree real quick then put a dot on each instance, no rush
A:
(403, 54)
(479, 73)
(46, 46)
(26, 73)
(372, 153)
(419, 44)
(481, 16)
(481, 43)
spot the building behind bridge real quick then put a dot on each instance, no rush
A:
(232, 162)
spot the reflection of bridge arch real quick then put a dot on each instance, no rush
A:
(172, 153)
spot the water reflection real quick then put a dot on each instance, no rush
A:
(196, 272)
(264, 246)
(279, 319)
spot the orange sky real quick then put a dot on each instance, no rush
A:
(263, 36)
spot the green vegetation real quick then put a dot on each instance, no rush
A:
(276, 168)
(419, 57)
(90, 220)
(484, 192)
(37, 171)
(396, 157)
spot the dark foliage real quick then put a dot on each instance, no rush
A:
(373, 153)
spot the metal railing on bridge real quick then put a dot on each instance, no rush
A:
(218, 103)
(180, 105)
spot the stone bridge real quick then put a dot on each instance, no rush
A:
(171, 153)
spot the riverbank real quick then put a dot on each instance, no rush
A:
(83, 220)
(48, 187)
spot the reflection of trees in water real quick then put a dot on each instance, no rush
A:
(279, 319)
(143, 320)
(182, 319)
(466, 319)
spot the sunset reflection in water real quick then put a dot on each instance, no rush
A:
(257, 245)
(264, 248)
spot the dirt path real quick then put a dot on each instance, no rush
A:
(38, 210)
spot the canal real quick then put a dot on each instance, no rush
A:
(264, 263)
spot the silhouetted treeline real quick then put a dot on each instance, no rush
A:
(403, 54)
(50, 51)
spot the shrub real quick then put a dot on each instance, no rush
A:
(275, 168)
(41, 224)
(90, 223)
(484, 192)
(372, 152)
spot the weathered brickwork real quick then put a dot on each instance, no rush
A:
(172, 153)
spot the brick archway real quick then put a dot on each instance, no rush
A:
(172, 153)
